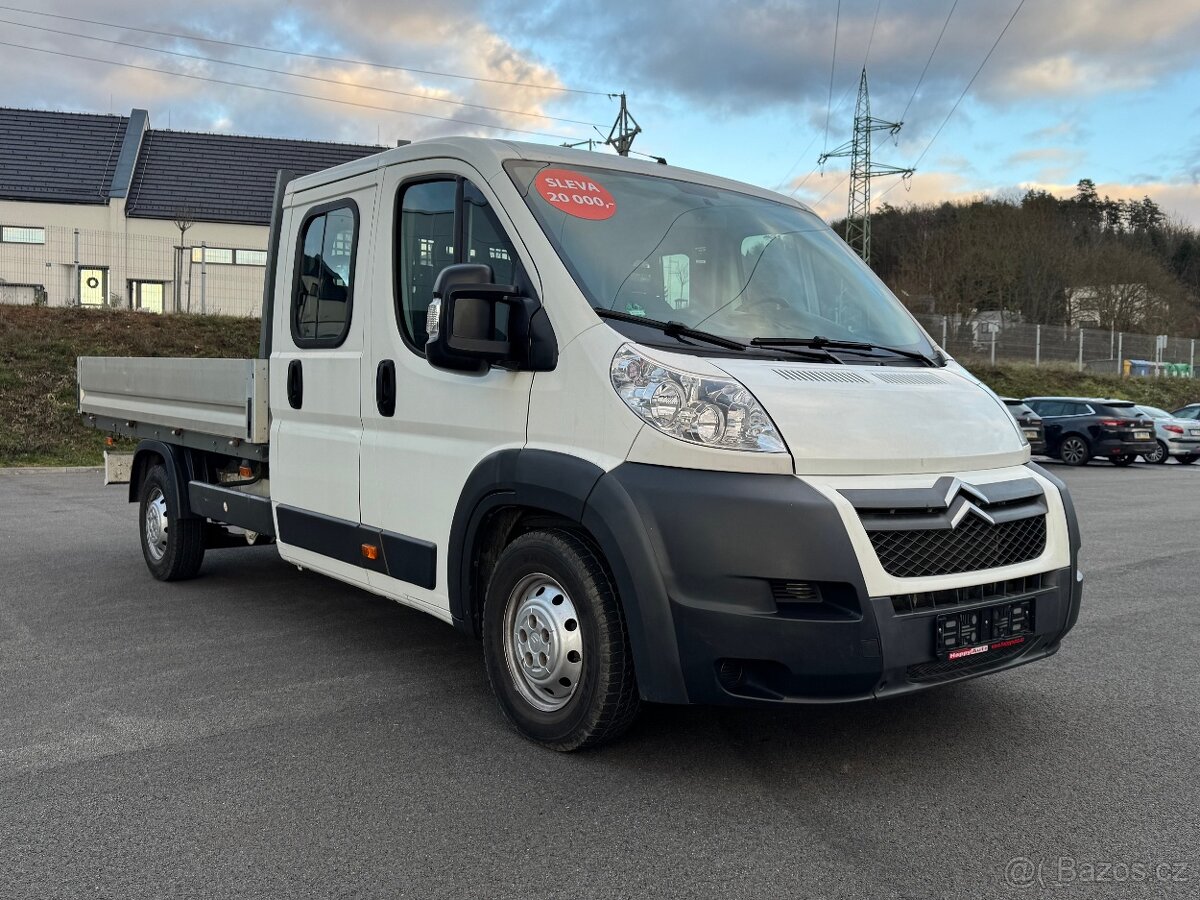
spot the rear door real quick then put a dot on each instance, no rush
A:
(323, 302)
(419, 449)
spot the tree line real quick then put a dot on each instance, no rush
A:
(1123, 264)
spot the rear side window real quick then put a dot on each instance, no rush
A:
(323, 294)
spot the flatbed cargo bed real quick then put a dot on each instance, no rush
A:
(205, 403)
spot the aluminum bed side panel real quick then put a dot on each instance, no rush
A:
(225, 397)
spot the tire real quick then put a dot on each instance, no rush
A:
(1074, 450)
(1126, 460)
(1187, 460)
(172, 547)
(1158, 456)
(577, 689)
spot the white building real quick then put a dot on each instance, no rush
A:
(90, 209)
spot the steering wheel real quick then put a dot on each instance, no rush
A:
(777, 303)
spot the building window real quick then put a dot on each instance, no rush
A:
(17, 234)
(250, 257)
(225, 256)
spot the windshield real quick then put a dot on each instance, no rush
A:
(1154, 412)
(729, 263)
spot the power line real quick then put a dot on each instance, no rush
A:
(333, 81)
(936, 44)
(840, 102)
(832, 64)
(337, 59)
(286, 93)
(871, 39)
(988, 56)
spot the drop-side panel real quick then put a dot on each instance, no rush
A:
(224, 397)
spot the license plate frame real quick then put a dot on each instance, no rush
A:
(977, 632)
(1141, 435)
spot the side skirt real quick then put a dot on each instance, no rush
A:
(398, 556)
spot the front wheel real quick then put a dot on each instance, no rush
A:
(1159, 455)
(173, 547)
(1074, 451)
(555, 644)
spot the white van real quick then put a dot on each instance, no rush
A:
(650, 434)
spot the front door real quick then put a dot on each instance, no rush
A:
(323, 300)
(93, 286)
(417, 456)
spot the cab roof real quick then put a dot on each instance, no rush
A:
(488, 155)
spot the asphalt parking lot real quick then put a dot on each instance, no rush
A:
(262, 732)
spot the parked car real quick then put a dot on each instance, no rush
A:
(1031, 425)
(1177, 437)
(1079, 428)
(1191, 411)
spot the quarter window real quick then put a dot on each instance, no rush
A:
(322, 296)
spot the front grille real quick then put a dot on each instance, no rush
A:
(944, 670)
(996, 592)
(975, 544)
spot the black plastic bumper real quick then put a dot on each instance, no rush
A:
(1118, 447)
(709, 557)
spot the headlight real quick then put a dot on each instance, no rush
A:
(713, 412)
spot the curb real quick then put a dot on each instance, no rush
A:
(50, 470)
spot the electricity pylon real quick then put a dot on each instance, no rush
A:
(624, 130)
(858, 148)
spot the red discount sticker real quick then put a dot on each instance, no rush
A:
(575, 194)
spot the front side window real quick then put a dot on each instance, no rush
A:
(712, 258)
(432, 217)
(323, 294)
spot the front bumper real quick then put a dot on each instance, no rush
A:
(706, 562)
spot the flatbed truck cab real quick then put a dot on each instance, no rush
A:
(648, 434)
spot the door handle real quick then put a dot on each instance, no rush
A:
(295, 384)
(385, 388)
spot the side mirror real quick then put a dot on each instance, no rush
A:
(474, 325)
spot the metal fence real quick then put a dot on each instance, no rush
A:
(1092, 349)
(84, 267)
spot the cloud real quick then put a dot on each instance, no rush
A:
(737, 58)
(451, 36)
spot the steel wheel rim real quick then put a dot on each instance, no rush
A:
(543, 642)
(156, 525)
(1072, 450)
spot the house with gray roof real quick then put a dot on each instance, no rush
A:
(103, 210)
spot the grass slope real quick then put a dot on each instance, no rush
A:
(39, 425)
(38, 346)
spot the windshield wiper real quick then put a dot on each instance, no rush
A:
(819, 343)
(679, 330)
(672, 329)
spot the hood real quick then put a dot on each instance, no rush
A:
(875, 420)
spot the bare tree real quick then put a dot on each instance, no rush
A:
(185, 218)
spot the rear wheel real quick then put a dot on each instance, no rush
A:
(1074, 450)
(1126, 460)
(1188, 460)
(555, 644)
(1158, 456)
(173, 547)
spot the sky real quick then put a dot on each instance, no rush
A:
(1100, 89)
